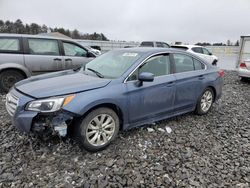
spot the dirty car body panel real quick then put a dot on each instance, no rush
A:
(137, 102)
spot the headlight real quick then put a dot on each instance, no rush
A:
(50, 104)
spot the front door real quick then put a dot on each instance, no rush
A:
(74, 55)
(151, 99)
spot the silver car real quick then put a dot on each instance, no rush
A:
(243, 63)
(22, 56)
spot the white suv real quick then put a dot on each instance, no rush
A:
(199, 51)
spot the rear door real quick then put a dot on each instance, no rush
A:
(42, 55)
(74, 55)
(190, 75)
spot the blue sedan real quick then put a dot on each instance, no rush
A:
(119, 90)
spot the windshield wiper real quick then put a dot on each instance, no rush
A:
(96, 72)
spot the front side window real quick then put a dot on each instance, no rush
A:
(158, 65)
(113, 64)
(159, 44)
(43, 47)
(183, 63)
(197, 50)
(9, 44)
(165, 45)
(74, 50)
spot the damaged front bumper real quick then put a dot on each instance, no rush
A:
(56, 122)
(30, 121)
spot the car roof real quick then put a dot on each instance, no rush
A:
(187, 45)
(33, 36)
(153, 41)
(149, 50)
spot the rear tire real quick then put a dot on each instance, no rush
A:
(244, 79)
(97, 130)
(214, 63)
(8, 78)
(205, 102)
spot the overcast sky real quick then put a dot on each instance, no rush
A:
(136, 20)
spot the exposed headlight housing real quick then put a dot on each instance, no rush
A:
(50, 104)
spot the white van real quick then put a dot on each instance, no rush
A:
(243, 63)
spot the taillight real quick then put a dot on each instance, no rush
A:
(243, 65)
(221, 73)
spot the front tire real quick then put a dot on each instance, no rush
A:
(97, 130)
(8, 78)
(205, 102)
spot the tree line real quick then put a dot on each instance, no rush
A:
(20, 28)
(229, 43)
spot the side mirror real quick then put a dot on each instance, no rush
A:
(210, 53)
(146, 77)
(90, 54)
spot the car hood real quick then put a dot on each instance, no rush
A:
(60, 83)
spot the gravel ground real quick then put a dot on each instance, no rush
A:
(201, 151)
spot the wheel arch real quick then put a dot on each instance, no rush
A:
(19, 68)
(111, 106)
(214, 91)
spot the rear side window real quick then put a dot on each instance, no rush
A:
(147, 44)
(180, 47)
(43, 47)
(183, 63)
(205, 51)
(9, 44)
(197, 50)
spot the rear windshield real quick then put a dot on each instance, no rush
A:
(9, 44)
(147, 44)
(246, 50)
(180, 47)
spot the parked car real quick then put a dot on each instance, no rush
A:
(95, 51)
(200, 51)
(243, 63)
(22, 56)
(118, 90)
(154, 44)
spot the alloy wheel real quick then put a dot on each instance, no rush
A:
(206, 101)
(100, 129)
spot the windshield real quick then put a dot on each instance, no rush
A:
(112, 64)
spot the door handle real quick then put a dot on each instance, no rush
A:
(201, 77)
(57, 59)
(68, 59)
(170, 84)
